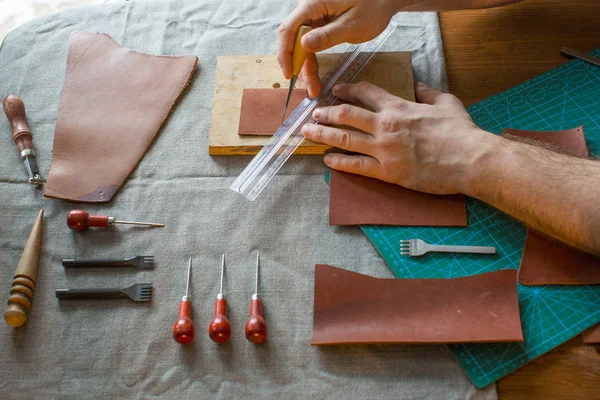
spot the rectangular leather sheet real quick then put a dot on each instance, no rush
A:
(592, 335)
(262, 110)
(352, 308)
(358, 200)
(546, 261)
(113, 103)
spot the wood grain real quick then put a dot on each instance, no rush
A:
(489, 51)
(392, 71)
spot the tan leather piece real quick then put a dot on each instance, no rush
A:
(546, 261)
(592, 335)
(113, 103)
(352, 308)
(358, 200)
(262, 110)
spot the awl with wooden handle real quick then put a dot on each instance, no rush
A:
(15, 112)
(298, 58)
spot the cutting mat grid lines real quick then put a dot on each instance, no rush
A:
(560, 99)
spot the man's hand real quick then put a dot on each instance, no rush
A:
(435, 147)
(348, 21)
(431, 147)
(333, 22)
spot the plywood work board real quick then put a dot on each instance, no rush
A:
(392, 71)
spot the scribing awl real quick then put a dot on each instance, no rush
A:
(79, 220)
(298, 58)
(15, 112)
(183, 329)
(219, 329)
(256, 327)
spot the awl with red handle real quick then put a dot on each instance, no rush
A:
(79, 220)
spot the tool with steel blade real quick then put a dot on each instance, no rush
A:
(417, 247)
(298, 58)
(256, 327)
(136, 292)
(140, 262)
(219, 329)
(14, 108)
(183, 328)
(79, 221)
(264, 166)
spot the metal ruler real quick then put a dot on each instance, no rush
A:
(255, 177)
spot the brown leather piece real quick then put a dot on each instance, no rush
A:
(358, 200)
(113, 103)
(546, 261)
(592, 335)
(262, 110)
(352, 308)
(549, 262)
(571, 142)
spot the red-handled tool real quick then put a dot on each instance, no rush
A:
(14, 108)
(219, 329)
(256, 327)
(183, 329)
(79, 220)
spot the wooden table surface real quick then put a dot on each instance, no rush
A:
(488, 51)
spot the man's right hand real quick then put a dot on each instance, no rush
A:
(333, 22)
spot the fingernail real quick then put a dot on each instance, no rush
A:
(317, 113)
(328, 159)
(336, 89)
(306, 129)
(421, 84)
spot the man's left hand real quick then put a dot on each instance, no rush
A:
(431, 147)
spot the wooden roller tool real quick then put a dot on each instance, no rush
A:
(15, 112)
(24, 280)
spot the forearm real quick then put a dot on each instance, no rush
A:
(448, 5)
(553, 193)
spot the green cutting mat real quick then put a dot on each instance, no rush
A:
(563, 98)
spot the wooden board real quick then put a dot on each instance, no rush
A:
(392, 71)
(488, 51)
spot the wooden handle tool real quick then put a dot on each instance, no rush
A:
(298, 58)
(23, 283)
(14, 108)
(256, 327)
(219, 329)
(299, 54)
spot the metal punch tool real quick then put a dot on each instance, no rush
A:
(417, 247)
